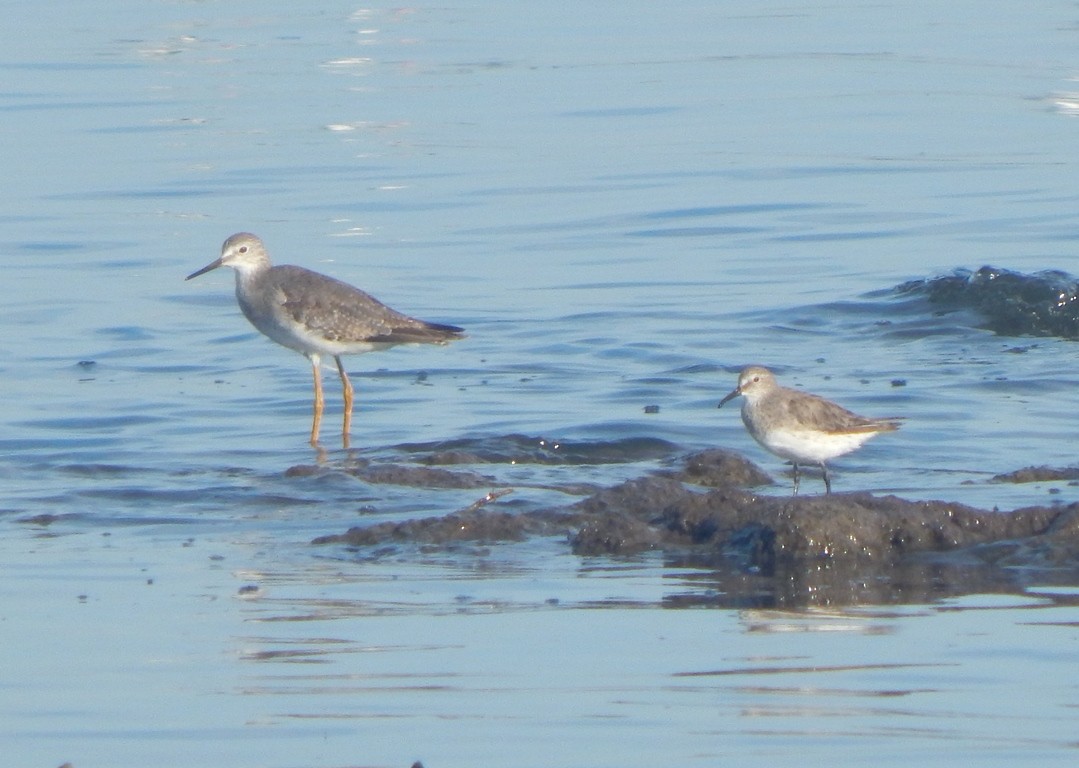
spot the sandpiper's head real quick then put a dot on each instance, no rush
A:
(753, 382)
(243, 252)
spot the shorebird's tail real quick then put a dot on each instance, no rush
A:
(889, 423)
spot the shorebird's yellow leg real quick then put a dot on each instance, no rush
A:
(319, 400)
(346, 390)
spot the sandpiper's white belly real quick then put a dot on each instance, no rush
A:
(808, 445)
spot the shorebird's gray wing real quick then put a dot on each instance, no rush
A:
(833, 418)
(340, 312)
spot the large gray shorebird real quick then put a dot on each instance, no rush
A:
(317, 315)
(800, 427)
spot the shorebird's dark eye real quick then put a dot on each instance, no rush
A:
(243, 249)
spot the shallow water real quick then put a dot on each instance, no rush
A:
(623, 207)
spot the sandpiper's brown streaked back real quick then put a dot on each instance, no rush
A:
(317, 315)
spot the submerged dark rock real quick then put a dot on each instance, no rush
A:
(477, 525)
(390, 473)
(1038, 475)
(1010, 303)
(421, 477)
(526, 449)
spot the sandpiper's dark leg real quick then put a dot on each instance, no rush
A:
(827, 482)
(346, 390)
(796, 478)
(319, 401)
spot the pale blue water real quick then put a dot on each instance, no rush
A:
(623, 203)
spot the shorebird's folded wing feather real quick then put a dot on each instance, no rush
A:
(424, 333)
(835, 419)
(344, 313)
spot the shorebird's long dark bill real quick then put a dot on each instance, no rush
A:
(729, 397)
(204, 270)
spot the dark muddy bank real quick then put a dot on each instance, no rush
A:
(757, 549)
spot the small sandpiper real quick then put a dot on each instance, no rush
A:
(317, 315)
(800, 427)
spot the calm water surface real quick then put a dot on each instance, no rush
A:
(623, 204)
